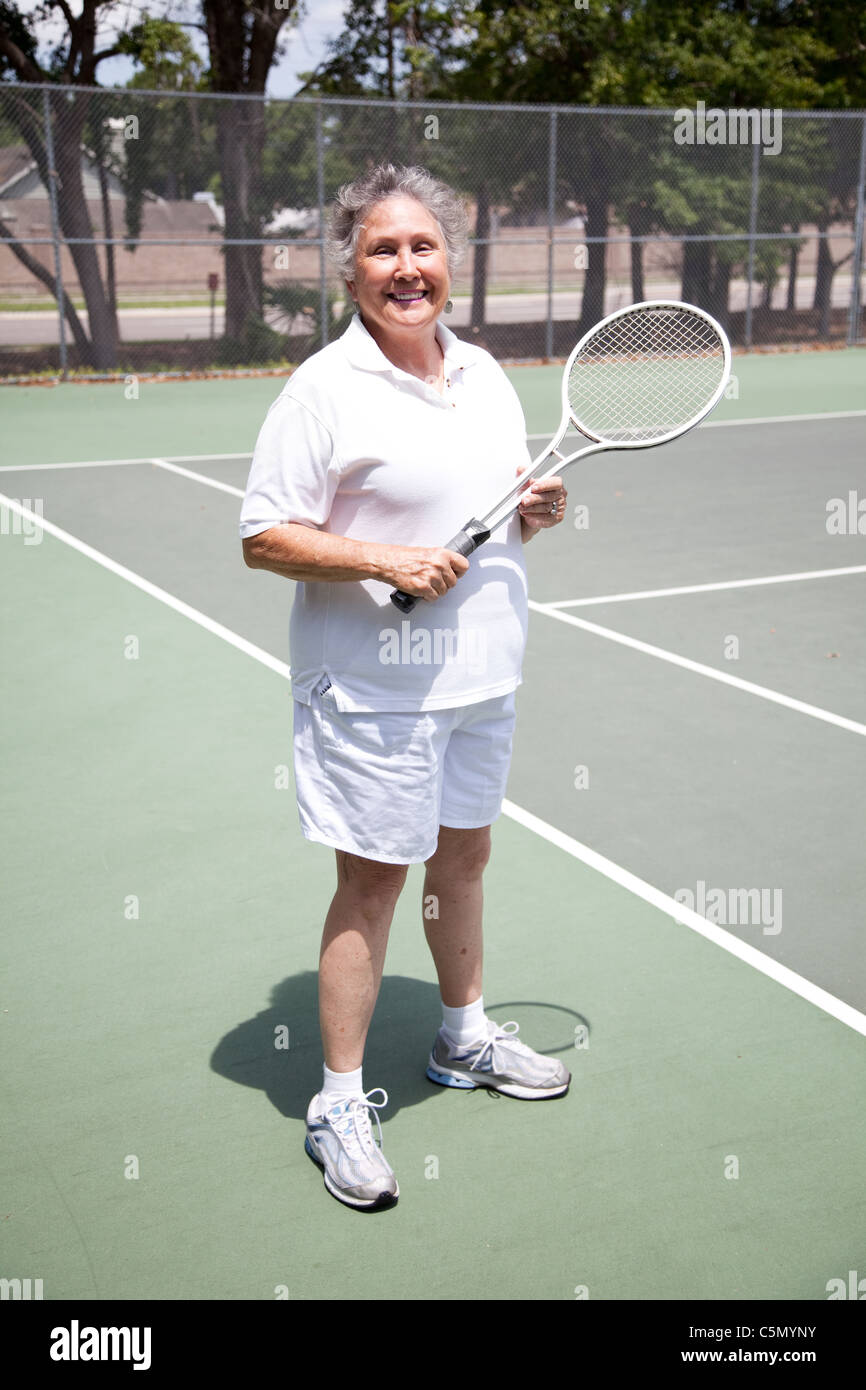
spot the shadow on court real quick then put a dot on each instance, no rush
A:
(280, 1051)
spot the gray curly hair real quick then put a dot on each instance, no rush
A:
(354, 201)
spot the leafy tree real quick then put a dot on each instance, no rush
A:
(80, 120)
(790, 54)
(175, 155)
(242, 37)
(74, 61)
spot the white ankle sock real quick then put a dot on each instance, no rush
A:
(465, 1025)
(339, 1085)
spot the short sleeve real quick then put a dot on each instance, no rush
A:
(293, 476)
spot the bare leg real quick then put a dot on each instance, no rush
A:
(353, 954)
(453, 879)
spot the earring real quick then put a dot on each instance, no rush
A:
(448, 306)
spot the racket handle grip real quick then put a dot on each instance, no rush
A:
(473, 534)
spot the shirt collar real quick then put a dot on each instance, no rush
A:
(363, 351)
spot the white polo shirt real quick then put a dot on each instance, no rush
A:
(356, 447)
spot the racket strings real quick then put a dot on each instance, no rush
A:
(645, 375)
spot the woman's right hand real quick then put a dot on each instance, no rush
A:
(423, 572)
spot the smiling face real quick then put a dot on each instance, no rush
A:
(401, 271)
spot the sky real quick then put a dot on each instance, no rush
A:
(305, 46)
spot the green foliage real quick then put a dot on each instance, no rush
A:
(662, 52)
(175, 153)
(790, 54)
(164, 54)
(288, 172)
(257, 343)
(20, 32)
(389, 49)
(770, 54)
(293, 299)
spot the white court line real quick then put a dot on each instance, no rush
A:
(736, 681)
(783, 419)
(707, 588)
(173, 467)
(553, 611)
(198, 477)
(580, 602)
(197, 458)
(828, 1003)
(47, 467)
(754, 420)
(185, 609)
(117, 463)
(691, 919)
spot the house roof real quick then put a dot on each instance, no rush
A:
(29, 216)
(19, 177)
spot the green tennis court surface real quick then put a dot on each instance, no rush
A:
(163, 912)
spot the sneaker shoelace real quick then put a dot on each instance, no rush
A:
(351, 1121)
(504, 1033)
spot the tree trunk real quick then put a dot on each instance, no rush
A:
(108, 233)
(240, 137)
(696, 272)
(479, 274)
(75, 223)
(67, 124)
(637, 286)
(242, 42)
(389, 52)
(823, 283)
(793, 258)
(595, 279)
(719, 287)
(638, 226)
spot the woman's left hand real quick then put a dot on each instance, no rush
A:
(542, 503)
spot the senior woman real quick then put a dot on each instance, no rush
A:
(380, 445)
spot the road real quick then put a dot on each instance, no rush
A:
(39, 327)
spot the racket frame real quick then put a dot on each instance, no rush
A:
(477, 531)
(502, 508)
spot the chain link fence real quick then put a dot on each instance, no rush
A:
(151, 232)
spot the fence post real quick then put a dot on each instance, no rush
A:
(854, 315)
(753, 227)
(551, 219)
(55, 228)
(320, 194)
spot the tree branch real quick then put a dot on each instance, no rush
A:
(25, 69)
(74, 27)
(67, 13)
(47, 279)
(85, 36)
(107, 53)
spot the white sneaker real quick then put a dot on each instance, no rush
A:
(340, 1140)
(500, 1062)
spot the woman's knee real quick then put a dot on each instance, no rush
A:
(461, 854)
(371, 882)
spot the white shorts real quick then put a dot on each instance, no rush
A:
(380, 785)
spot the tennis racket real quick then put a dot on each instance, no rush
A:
(641, 377)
